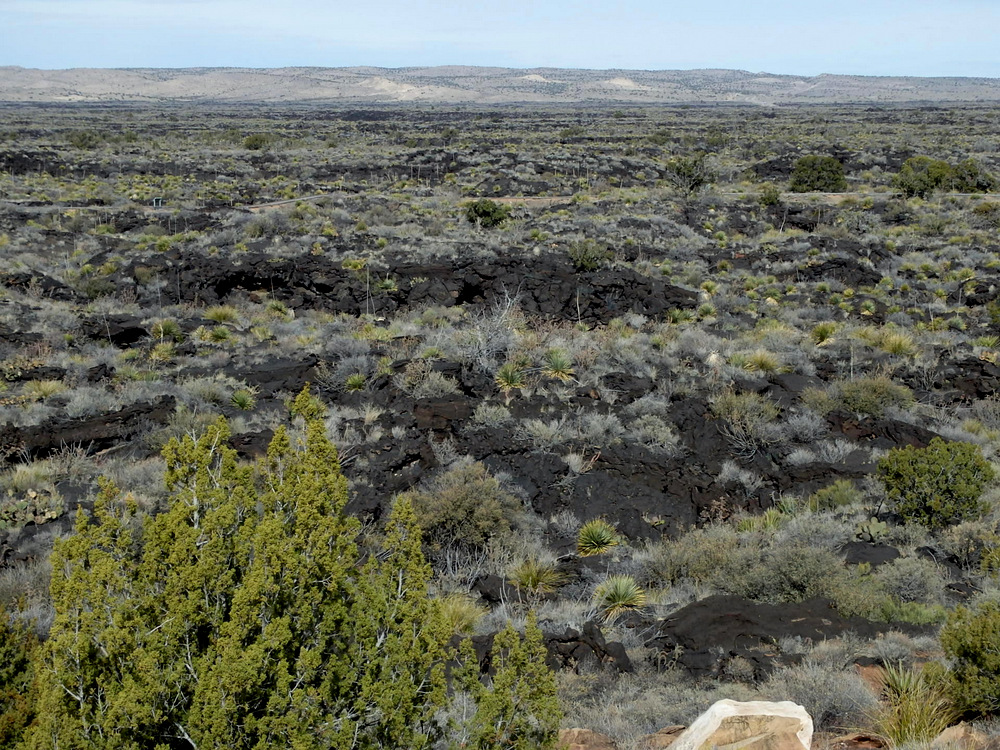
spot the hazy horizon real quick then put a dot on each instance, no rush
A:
(876, 38)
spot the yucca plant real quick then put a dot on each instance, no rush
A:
(914, 710)
(897, 342)
(355, 382)
(219, 334)
(557, 364)
(769, 520)
(596, 537)
(761, 360)
(822, 333)
(167, 329)
(244, 398)
(536, 576)
(617, 595)
(510, 377)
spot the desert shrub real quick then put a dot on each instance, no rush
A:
(588, 255)
(969, 639)
(491, 415)
(840, 493)
(688, 174)
(748, 416)
(869, 395)
(834, 698)
(486, 213)
(823, 174)
(656, 434)
(17, 647)
(780, 574)
(912, 579)
(257, 141)
(464, 506)
(84, 139)
(936, 486)
(988, 214)
(922, 175)
(696, 556)
(769, 194)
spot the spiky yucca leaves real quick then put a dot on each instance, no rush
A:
(595, 537)
(355, 382)
(557, 364)
(769, 520)
(914, 710)
(822, 333)
(617, 595)
(510, 377)
(244, 398)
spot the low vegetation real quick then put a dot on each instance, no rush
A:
(570, 373)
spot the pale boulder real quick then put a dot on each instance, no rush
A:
(960, 737)
(750, 725)
(584, 739)
(662, 739)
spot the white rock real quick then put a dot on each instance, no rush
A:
(751, 725)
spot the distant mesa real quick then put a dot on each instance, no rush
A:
(459, 84)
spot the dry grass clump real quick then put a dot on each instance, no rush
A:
(914, 709)
(867, 395)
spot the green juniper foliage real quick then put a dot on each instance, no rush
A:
(246, 616)
(518, 708)
(938, 485)
(17, 646)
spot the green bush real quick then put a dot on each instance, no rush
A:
(936, 486)
(486, 213)
(17, 647)
(464, 506)
(257, 142)
(824, 174)
(588, 255)
(922, 175)
(842, 492)
(969, 640)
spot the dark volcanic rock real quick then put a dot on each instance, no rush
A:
(547, 285)
(882, 433)
(702, 637)
(849, 271)
(121, 330)
(568, 650)
(856, 553)
(94, 432)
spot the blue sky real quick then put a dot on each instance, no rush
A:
(876, 37)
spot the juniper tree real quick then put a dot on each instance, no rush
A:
(17, 645)
(243, 616)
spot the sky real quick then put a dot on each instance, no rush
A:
(804, 37)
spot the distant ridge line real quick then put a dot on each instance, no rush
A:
(458, 84)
